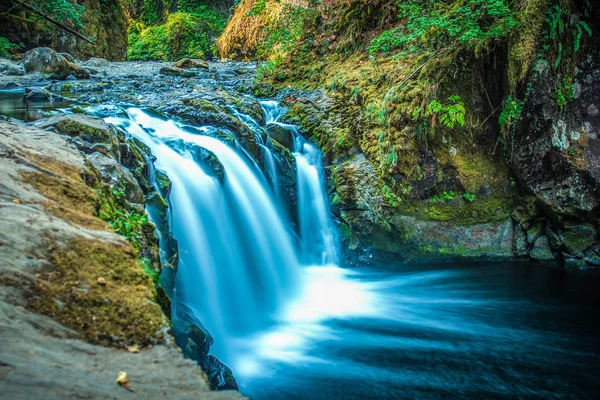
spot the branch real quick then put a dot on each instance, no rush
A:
(55, 22)
(436, 55)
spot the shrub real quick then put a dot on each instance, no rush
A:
(183, 35)
(433, 24)
(6, 47)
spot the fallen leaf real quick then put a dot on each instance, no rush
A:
(133, 349)
(123, 380)
(101, 281)
(17, 201)
(140, 287)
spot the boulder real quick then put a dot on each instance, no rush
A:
(282, 135)
(9, 68)
(541, 250)
(191, 63)
(97, 63)
(577, 238)
(51, 64)
(177, 72)
(69, 57)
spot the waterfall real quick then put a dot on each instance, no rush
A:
(238, 259)
(318, 238)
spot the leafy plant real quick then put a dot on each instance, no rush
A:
(580, 27)
(450, 113)
(6, 47)
(393, 199)
(511, 112)
(65, 11)
(434, 24)
(468, 196)
(183, 35)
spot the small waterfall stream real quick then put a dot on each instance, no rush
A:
(241, 264)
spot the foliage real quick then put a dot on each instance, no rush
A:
(580, 27)
(62, 10)
(6, 47)
(283, 34)
(446, 196)
(450, 114)
(183, 35)
(127, 223)
(434, 24)
(257, 8)
(468, 196)
(511, 112)
(564, 91)
(392, 199)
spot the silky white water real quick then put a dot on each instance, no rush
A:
(259, 287)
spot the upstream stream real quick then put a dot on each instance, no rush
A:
(292, 323)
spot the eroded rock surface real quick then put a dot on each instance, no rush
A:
(73, 295)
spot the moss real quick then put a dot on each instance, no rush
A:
(203, 105)
(75, 128)
(484, 209)
(116, 310)
(524, 42)
(69, 197)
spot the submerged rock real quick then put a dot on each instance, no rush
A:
(52, 65)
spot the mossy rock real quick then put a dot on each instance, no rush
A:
(101, 291)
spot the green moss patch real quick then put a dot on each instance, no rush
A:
(101, 291)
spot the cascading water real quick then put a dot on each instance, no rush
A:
(317, 234)
(239, 263)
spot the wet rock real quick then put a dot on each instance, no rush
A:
(164, 184)
(51, 64)
(95, 62)
(68, 57)
(282, 135)
(521, 245)
(210, 163)
(191, 63)
(578, 238)
(9, 85)
(541, 250)
(92, 132)
(556, 157)
(574, 262)
(9, 68)
(177, 72)
(117, 176)
(203, 112)
(591, 258)
(219, 374)
(225, 74)
(36, 94)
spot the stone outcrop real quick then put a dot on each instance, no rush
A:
(73, 289)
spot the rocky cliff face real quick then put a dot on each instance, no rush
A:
(518, 181)
(103, 20)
